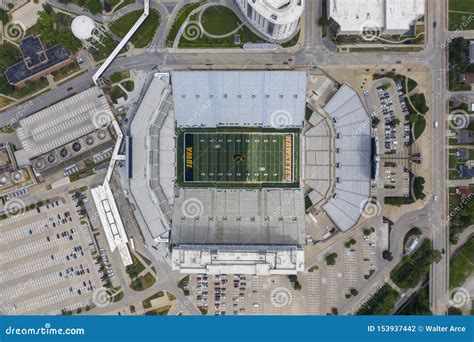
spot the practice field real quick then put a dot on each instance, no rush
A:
(236, 158)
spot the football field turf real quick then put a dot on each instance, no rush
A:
(236, 158)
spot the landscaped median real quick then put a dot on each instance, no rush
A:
(139, 282)
(413, 268)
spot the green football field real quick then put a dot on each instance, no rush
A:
(230, 158)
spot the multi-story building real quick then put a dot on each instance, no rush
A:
(37, 61)
(275, 19)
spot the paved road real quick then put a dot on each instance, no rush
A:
(439, 273)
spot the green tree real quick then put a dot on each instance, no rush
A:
(94, 6)
(413, 118)
(53, 30)
(331, 259)
(387, 255)
(323, 21)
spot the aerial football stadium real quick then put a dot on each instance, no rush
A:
(219, 168)
(214, 166)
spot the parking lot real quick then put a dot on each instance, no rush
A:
(396, 179)
(324, 288)
(396, 127)
(47, 267)
(394, 132)
(247, 295)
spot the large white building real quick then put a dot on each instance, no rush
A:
(275, 19)
(389, 16)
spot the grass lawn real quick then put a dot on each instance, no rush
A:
(180, 18)
(419, 127)
(419, 102)
(65, 71)
(461, 5)
(219, 20)
(238, 158)
(183, 283)
(246, 36)
(116, 93)
(147, 302)
(143, 282)
(104, 51)
(144, 35)
(460, 21)
(462, 265)
(453, 161)
(31, 87)
(163, 311)
(4, 101)
(203, 41)
(118, 294)
(116, 77)
(128, 85)
(134, 269)
(454, 84)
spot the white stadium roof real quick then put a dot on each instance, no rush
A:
(389, 15)
(241, 217)
(353, 149)
(239, 98)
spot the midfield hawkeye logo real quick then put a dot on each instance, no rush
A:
(189, 157)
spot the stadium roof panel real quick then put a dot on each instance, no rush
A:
(242, 217)
(351, 123)
(386, 15)
(239, 98)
